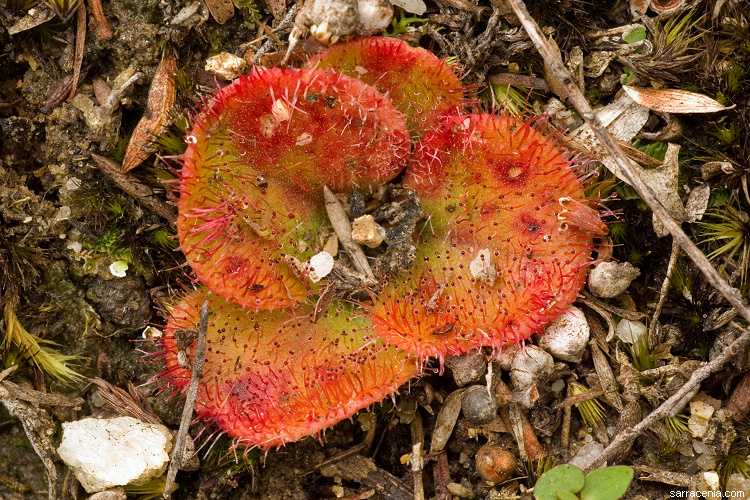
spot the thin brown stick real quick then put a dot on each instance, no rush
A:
(141, 192)
(269, 32)
(610, 144)
(80, 45)
(652, 341)
(532, 82)
(623, 313)
(187, 411)
(417, 464)
(102, 30)
(671, 406)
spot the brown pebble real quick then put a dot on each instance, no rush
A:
(495, 463)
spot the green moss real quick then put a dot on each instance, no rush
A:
(401, 23)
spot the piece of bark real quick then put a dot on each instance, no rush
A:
(442, 476)
(739, 401)
(364, 471)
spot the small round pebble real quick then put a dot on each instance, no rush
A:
(495, 463)
(478, 406)
(610, 279)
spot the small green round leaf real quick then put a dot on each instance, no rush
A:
(566, 495)
(635, 35)
(609, 483)
(561, 478)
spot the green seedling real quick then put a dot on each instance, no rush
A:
(567, 482)
(726, 232)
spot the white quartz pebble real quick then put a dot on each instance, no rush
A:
(566, 337)
(114, 452)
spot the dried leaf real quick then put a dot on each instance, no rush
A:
(125, 403)
(673, 100)
(161, 98)
(446, 421)
(624, 119)
(553, 81)
(697, 202)
(663, 181)
(35, 17)
(221, 10)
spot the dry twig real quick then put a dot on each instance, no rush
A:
(652, 341)
(671, 406)
(187, 411)
(102, 29)
(141, 192)
(37, 424)
(415, 459)
(80, 45)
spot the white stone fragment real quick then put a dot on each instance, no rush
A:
(587, 453)
(63, 213)
(319, 266)
(76, 246)
(567, 336)
(481, 267)
(706, 461)
(459, 490)
(630, 331)
(374, 16)
(707, 485)
(531, 365)
(95, 117)
(118, 268)
(701, 448)
(366, 231)
(417, 7)
(610, 279)
(506, 355)
(737, 483)
(700, 414)
(73, 183)
(225, 65)
(114, 452)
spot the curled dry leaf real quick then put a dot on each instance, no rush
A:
(673, 100)
(666, 7)
(161, 98)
